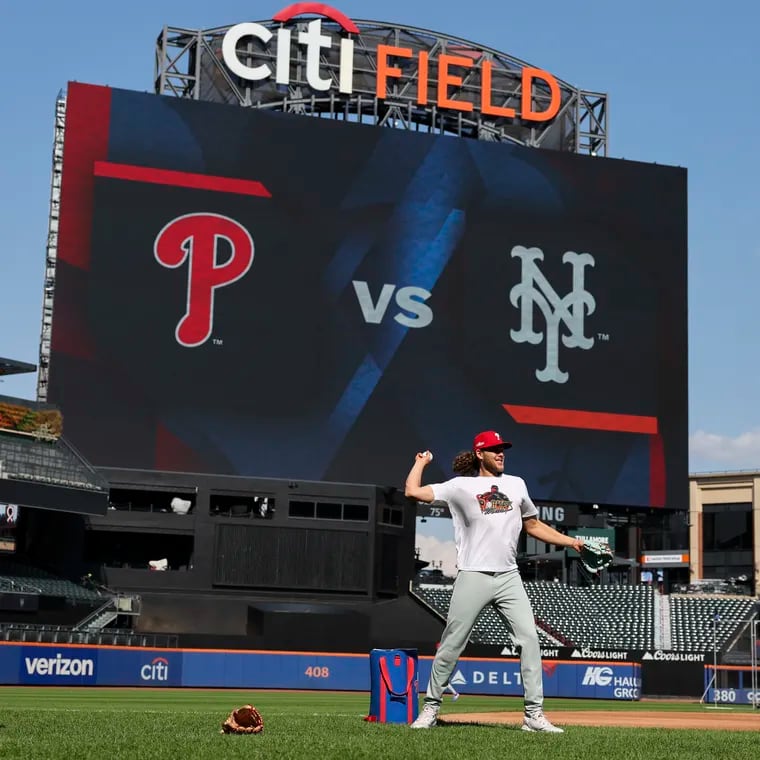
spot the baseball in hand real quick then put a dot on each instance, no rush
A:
(428, 455)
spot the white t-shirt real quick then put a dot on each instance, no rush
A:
(487, 513)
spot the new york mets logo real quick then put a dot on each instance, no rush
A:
(535, 291)
(197, 239)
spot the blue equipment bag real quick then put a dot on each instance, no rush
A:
(394, 687)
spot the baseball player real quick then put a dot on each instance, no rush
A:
(488, 511)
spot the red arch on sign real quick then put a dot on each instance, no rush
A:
(319, 9)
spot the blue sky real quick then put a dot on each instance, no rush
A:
(682, 85)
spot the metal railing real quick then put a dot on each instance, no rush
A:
(9, 584)
(60, 634)
(118, 604)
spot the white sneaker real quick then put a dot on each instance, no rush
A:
(428, 716)
(539, 722)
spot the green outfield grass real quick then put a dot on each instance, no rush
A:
(136, 724)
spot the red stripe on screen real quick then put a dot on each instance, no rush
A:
(575, 418)
(174, 178)
(88, 115)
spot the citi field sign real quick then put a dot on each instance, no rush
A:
(446, 70)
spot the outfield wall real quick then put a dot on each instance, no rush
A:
(732, 685)
(53, 665)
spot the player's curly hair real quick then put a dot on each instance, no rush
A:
(465, 463)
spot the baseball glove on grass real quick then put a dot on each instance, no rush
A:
(245, 720)
(596, 556)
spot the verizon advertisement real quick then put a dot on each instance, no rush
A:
(90, 666)
(263, 294)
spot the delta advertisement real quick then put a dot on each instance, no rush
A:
(51, 665)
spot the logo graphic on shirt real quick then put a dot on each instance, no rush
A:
(494, 501)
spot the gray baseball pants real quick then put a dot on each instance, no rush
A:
(472, 592)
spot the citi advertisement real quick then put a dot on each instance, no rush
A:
(443, 70)
(233, 284)
(140, 668)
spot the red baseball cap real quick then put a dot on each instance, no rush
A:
(489, 439)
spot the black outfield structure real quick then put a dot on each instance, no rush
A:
(43, 481)
(257, 563)
(13, 367)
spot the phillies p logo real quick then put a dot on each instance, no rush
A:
(196, 238)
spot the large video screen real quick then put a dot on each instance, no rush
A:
(274, 295)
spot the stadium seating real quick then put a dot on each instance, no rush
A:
(19, 576)
(700, 623)
(611, 617)
(616, 617)
(59, 634)
(46, 461)
(490, 627)
(619, 617)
